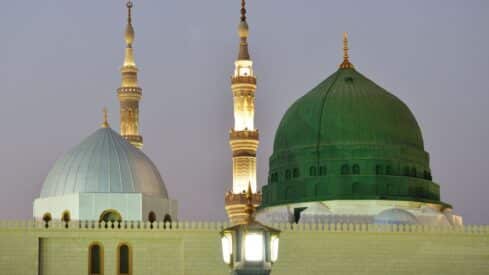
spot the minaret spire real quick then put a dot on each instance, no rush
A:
(243, 11)
(346, 62)
(243, 137)
(130, 93)
(243, 34)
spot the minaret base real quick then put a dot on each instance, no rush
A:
(236, 206)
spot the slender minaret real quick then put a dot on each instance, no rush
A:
(243, 137)
(130, 93)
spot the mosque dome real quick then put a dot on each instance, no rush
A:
(104, 163)
(348, 139)
(395, 216)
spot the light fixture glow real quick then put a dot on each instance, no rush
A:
(274, 248)
(227, 247)
(254, 247)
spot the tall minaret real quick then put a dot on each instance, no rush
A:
(243, 137)
(130, 93)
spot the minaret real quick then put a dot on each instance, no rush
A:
(243, 137)
(130, 93)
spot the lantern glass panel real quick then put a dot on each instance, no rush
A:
(227, 247)
(254, 247)
(274, 248)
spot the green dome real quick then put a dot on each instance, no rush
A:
(348, 138)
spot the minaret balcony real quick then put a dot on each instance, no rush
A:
(130, 91)
(243, 80)
(245, 134)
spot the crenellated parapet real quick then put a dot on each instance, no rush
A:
(59, 226)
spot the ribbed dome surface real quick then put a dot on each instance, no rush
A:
(347, 108)
(348, 139)
(104, 163)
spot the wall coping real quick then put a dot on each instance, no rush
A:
(31, 225)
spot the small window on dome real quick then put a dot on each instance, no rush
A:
(378, 170)
(275, 177)
(356, 169)
(388, 170)
(46, 218)
(312, 171)
(151, 217)
(65, 217)
(406, 171)
(323, 171)
(287, 174)
(167, 219)
(345, 169)
(413, 172)
(296, 173)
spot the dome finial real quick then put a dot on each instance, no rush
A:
(105, 124)
(243, 11)
(129, 6)
(346, 62)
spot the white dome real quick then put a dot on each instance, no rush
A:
(104, 163)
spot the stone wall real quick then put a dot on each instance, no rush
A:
(194, 248)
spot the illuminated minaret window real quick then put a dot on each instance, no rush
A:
(130, 93)
(243, 136)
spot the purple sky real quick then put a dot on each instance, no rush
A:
(60, 62)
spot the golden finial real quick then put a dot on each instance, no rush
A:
(346, 62)
(129, 6)
(243, 10)
(105, 124)
(129, 28)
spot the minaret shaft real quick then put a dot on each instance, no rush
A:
(130, 93)
(243, 137)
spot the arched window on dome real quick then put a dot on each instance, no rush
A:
(323, 171)
(124, 260)
(151, 217)
(406, 171)
(345, 169)
(95, 259)
(66, 217)
(388, 170)
(275, 177)
(378, 169)
(46, 218)
(296, 173)
(356, 169)
(167, 218)
(312, 171)
(413, 172)
(425, 175)
(287, 174)
(110, 215)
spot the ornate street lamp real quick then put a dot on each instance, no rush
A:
(250, 248)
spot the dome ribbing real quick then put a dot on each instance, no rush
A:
(104, 163)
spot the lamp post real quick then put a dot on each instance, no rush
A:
(250, 248)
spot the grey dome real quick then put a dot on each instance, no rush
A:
(104, 162)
